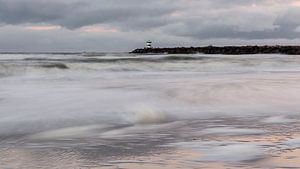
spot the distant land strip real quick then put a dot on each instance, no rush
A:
(226, 50)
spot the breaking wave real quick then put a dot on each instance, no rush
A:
(8, 69)
(148, 117)
(92, 59)
(120, 62)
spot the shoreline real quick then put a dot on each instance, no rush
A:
(225, 50)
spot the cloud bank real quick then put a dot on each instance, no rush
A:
(121, 25)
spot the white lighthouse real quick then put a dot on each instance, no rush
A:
(148, 45)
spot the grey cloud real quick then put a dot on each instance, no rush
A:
(18, 12)
(290, 19)
(239, 23)
(237, 3)
(167, 22)
(232, 32)
(75, 14)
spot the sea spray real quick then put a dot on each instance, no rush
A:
(146, 115)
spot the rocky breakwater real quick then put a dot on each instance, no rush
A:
(227, 50)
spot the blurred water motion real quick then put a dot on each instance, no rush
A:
(155, 111)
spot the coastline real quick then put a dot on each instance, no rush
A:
(225, 50)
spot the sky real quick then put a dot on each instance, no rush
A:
(123, 25)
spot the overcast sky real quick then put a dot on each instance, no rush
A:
(122, 25)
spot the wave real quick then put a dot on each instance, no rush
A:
(148, 117)
(11, 69)
(122, 59)
(185, 58)
(102, 62)
(54, 65)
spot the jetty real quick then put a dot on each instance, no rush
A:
(225, 50)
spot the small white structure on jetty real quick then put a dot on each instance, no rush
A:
(148, 45)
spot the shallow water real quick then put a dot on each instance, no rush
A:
(155, 111)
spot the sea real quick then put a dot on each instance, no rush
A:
(131, 111)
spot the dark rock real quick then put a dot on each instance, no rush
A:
(227, 50)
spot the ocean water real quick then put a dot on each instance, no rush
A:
(119, 110)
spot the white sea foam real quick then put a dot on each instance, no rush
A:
(231, 152)
(278, 119)
(232, 131)
(235, 153)
(147, 115)
(292, 143)
(65, 133)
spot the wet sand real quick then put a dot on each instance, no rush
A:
(226, 143)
